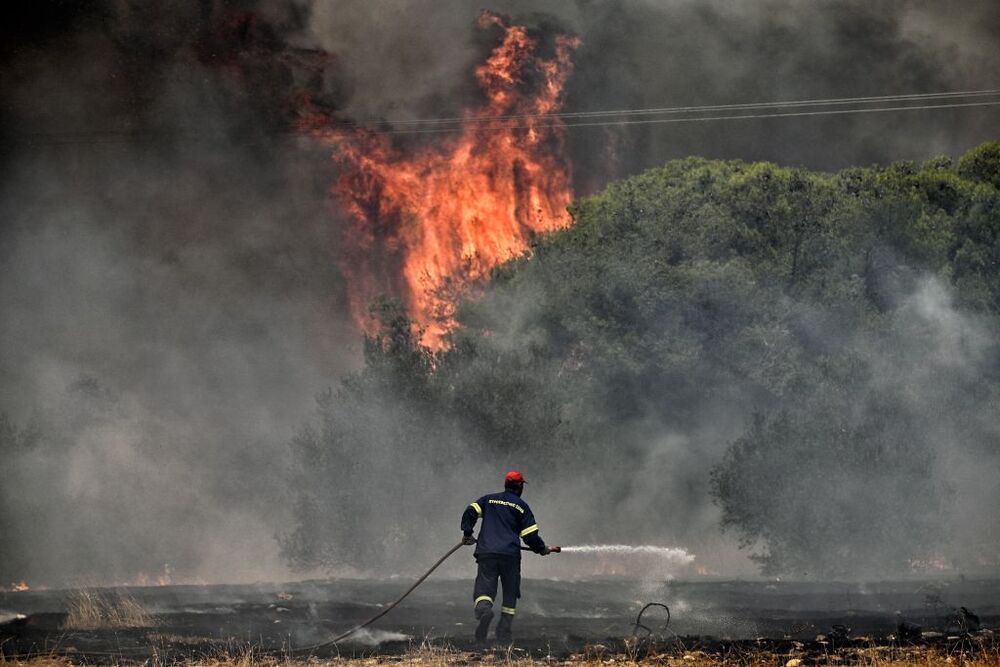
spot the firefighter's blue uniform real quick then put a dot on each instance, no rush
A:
(506, 521)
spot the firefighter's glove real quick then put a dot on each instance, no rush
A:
(468, 539)
(545, 551)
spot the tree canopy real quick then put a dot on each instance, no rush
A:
(815, 352)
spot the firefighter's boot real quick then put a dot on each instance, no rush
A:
(505, 634)
(484, 614)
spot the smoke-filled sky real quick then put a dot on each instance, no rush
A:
(171, 301)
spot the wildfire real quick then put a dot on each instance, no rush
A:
(429, 222)
(20, 587)
(164, 579)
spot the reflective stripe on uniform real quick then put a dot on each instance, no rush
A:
(529, 530)
(481, 598)
(479, 510)
(508, 610)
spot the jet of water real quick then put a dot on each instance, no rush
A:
(676, 555)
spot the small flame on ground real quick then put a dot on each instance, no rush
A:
(163, 579)
(430, 222)
(20, 587)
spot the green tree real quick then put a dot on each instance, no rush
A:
(817, 495)
(852, 308)
(982, 164)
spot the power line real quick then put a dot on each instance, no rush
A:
(712, 107)
(577, 119)
(697, 119)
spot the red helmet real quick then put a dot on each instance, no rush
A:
(513, 476)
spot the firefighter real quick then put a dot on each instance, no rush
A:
(506, 521)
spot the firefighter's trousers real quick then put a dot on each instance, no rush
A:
(506, 569)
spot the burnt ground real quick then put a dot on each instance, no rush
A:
(555, 618)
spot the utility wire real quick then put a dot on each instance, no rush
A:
(582, 118)
(711, 107)
(691, 119)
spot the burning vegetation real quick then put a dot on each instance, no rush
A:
(811, 346)
(429, 221)
(814, 351)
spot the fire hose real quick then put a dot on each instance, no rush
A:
(402, 597)
(122, 653)
(385, 611)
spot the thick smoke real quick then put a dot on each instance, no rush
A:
(170, 306)
(170, 300)
(651, 54)
(642, 54)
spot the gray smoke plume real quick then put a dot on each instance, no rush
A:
(170, 306)
(642, 54)
(170, 296)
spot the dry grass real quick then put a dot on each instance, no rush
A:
(431, 656)
(44, 661)
(89, 609)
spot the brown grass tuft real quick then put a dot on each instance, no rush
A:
(89, 609)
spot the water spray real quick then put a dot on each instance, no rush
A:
(680, 556)
(677, 555)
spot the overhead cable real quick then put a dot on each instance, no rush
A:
(690, 109)
(579, 119)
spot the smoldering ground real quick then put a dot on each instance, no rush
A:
(170, 294)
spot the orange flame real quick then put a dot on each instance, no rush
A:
(430, 222)
(164, 579)
(20, 587)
